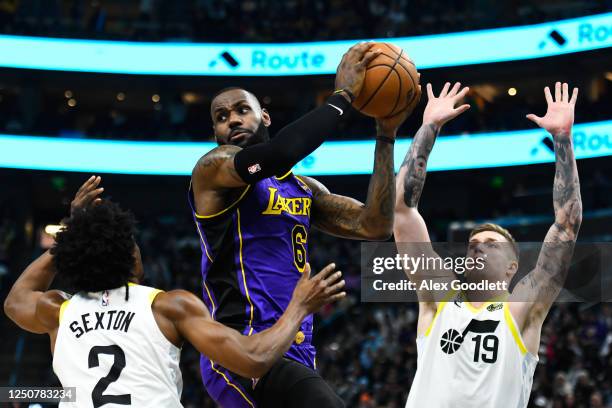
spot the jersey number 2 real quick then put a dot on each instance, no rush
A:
(299, 238)
(97, 396)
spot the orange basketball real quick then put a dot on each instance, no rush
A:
(391, 84)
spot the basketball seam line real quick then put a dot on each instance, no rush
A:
(392, 68)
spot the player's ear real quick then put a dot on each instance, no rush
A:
(265, 117)
(512, 269)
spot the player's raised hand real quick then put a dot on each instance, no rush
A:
(87, 194)
(559, 116)
(325, 287)
(441, 109)
(351, 71)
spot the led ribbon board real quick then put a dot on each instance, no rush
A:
(314, 58)
(333, 158)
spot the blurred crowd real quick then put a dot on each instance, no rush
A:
(268, 20)
(178, 117)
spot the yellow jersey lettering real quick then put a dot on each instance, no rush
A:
(278, 204)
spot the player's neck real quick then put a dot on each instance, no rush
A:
(478, 298)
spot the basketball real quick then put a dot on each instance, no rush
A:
(391, 84)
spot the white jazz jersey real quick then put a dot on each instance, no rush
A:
(114, 353)
(472, 357)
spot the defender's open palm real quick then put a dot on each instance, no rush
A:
(441, 109)
(324, 288)
(559, 116)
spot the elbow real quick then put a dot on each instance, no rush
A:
(379, 234)
(10, 307)
(257, 366)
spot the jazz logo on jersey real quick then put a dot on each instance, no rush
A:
(294, 206)
(452, 340)
(495, 306)
(105, 299)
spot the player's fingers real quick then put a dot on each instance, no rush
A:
(92, 194)
(86, 183)
(359, 50)
(534, 118)
(333, 278)
(461, 109)
(95, 183)
(565, 92)
(444, 90)
(370, 56)
(461, 94)
(306, 273)
(574, 96)
(325, 272)
(335, 288)
(430, 94)
(337, 297)
(558, 92)
(548, 95)
(454, 89)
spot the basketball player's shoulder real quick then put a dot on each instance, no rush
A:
(176, 304)
(48, 307)
(215, 157)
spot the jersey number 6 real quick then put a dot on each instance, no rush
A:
(299, 238)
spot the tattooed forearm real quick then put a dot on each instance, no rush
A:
(566, 188)
(379, 206)
(545, 283)
(416, 163)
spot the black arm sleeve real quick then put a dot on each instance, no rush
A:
(292, 143)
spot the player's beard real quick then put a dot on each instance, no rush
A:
(261, 135)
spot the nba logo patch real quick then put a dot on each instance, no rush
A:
(105, 300)
(254, 168)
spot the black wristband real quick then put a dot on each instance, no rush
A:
(339, 101)
(347, 92)
(385, 139)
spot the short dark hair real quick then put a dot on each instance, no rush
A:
(231, 88)
(95, 249)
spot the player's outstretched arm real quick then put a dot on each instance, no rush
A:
(538, 290)
(29, 303)
(349, 218)
(231, 166)
(249, 356)
(409, 228)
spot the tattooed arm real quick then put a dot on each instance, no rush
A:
(349, 218)
(546, 280)
(409, 228)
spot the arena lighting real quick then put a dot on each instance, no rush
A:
(52, 229)
(314, 58)
(512, 91)
(333, 158)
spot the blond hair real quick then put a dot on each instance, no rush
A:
(489, 226)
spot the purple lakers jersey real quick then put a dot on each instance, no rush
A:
(253, 254)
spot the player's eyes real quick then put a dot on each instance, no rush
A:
(221, 118)
(244, 109)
